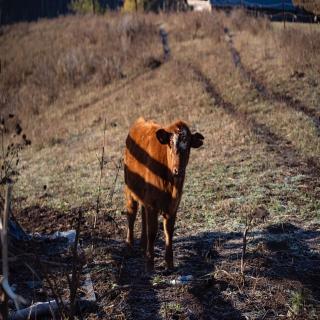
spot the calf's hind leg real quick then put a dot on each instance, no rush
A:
(143, 230)
(168, 226)
(132, 208)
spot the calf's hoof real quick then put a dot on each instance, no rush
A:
(169, 265)
(128, 247)
(149, 265)
(143, 249)
(169, 261)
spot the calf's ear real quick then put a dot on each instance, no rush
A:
(163, 136)
(196, 140)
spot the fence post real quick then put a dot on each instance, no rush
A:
(4, 243)
(165, 43)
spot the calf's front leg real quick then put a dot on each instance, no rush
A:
(168, 226)
(132, 207)
(152, 229)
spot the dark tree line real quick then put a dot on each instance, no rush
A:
(309, 5)
(28, 10)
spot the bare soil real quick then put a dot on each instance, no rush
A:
(281, 259)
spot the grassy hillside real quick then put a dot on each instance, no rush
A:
(250, 87)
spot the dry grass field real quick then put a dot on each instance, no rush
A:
(249, 86)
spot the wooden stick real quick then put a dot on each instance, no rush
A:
(75, 270)
(5, 268)
(244, 247)
(41, 309)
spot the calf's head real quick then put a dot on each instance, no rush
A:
(179, 141)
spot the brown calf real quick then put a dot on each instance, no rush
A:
(155, 161)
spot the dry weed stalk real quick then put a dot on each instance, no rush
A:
(60, 306)
(255, 217)
(113, 188)
(102, 162)
(76, 269)
(244, 244)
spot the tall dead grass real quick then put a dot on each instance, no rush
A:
(240, 20)
(297, 45)
(300, 48)
(46, 60)
(191, 25)
(43, 60)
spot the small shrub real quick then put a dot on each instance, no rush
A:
(309, 5)
(53, 141)
(240, 21)
(299, 47)
(86, 6)
(12, 141)
(297, 302)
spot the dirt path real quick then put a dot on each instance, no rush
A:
(276, 144)
(263, 90)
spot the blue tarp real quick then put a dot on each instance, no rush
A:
(256, 4)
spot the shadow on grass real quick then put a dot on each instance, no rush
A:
(199, 300)
(292, 253)
(282, 259)
(197, 257)
(288, 262)
(141, 298)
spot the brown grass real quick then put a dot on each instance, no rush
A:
(258, 152)
(70, 52)
(65, 76)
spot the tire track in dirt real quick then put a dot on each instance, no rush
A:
(282, 147)
(262, 89)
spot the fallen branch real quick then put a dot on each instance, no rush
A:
(41, 309)
(37, 310)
